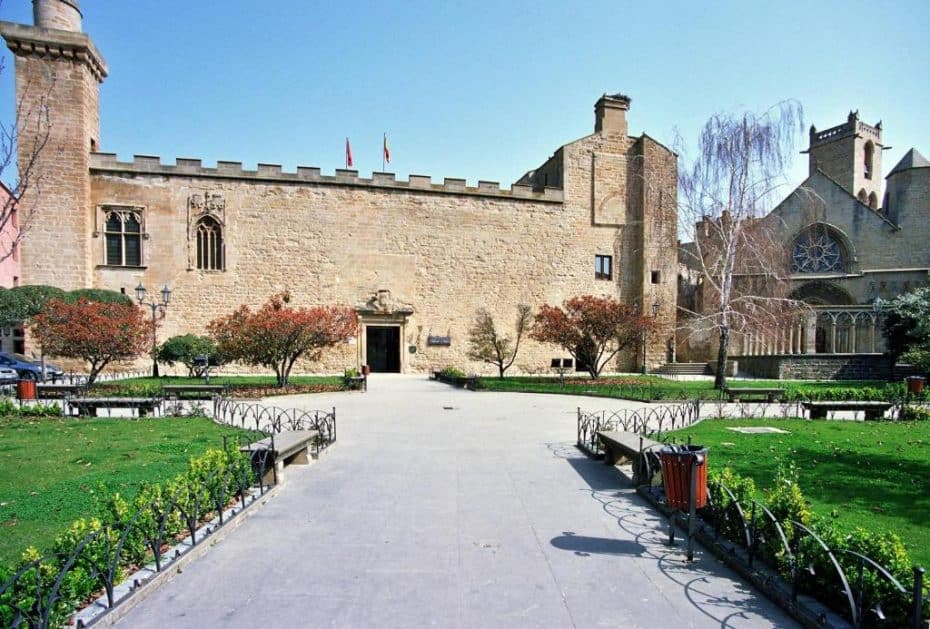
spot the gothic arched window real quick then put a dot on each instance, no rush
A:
(869, 155)
(123, 236)
(818, 250)
(873, 201)
(209, 244)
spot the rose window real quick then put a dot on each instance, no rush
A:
(817, 251)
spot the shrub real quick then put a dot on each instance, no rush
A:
(185, 349)
(786, 502)
(124, 534)
(914, 413)
(452, 372)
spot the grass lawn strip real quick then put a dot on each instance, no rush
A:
(52, 469)
(874, 475)
(650, 388)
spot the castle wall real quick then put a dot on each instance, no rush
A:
(443, 249)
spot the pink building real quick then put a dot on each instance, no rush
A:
(11, 339)
(9, 268)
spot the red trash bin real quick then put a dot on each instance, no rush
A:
(26, 389)
(915, 385)
(366, 370)
(676, 475)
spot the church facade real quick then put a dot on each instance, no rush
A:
(415, 257)
(852, 245)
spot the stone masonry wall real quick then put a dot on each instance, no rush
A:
(443, 253)
(815, 367)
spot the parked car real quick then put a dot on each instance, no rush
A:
(27, 369)
(8, 375)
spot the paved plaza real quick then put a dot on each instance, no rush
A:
(449, 508)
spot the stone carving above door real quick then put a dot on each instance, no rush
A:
(383, 302)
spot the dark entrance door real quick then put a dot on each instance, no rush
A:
(383, 348)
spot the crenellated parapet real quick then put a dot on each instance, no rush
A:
(273, 173)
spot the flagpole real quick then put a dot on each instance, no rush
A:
(383, 144)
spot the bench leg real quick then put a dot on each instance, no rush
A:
(609, 457)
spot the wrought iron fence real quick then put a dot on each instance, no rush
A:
(272, 420)
(865, 592)
(647, 421)
(46, 590)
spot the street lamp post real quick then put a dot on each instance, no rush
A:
(655, 313)
(158, 307)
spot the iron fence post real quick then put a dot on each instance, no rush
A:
(918, 610)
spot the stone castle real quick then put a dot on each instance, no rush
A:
(415, 257)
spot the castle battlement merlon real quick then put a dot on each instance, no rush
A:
(102, 163)
(50, 42)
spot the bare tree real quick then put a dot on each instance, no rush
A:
(26, 137)
(487, 344)
(725, 195)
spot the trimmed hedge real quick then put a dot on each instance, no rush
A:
(99, 551)
(785, 500)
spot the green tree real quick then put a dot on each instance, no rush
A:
(906, 325)
(99, 295)
(20, 304)
(184, 349)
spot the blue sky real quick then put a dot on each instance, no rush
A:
(483, 90)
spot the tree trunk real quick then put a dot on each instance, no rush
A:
(720, 378)
(501, 369)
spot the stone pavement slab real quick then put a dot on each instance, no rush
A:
(482, 515)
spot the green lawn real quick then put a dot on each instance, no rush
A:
(874, 475)
(51, 469)
(648, 388)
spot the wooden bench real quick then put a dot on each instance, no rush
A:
(738, 394)
(46, 391)
(620, 445)
(290, 446)
(177, 391)
(873, 410)
(88, 406)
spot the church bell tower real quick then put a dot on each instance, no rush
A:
(851, 155)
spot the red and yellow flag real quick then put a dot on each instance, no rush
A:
(387, 150)
(348, 154)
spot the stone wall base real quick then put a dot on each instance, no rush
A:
(815, 366)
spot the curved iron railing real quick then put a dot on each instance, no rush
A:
(41, 592)
(647, 421)
(271, 420)
(865, 592)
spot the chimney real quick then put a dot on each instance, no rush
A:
(64, 15)
(610, 114)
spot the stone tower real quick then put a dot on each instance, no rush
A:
(851, 155)
(58, 76)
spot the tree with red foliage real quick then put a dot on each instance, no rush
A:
(277, 334)
(592, 329)
(97, 332)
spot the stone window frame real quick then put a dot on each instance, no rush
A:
(599, 267)
(103, 213)
(210, 249)
(838, 242)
